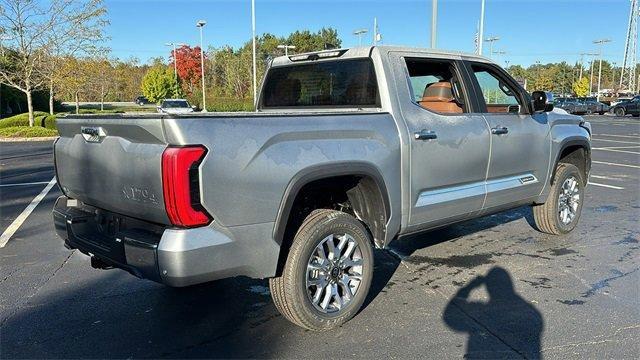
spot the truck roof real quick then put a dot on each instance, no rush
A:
(365, 51)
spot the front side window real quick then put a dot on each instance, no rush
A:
(337, 83)
(499, 96)
(435, 86)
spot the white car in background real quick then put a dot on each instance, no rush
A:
(175, 106)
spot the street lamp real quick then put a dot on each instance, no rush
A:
(286, 48)
(481, 28)
(359, 34)
(434, 22)
(175, 58)
(200, 24)
(491, 40)
(600, 42)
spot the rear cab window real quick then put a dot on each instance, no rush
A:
(322, 84)
(435, 85)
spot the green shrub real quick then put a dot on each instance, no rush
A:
(27, 131)
(49, 122)
(22, 120)
(230, 105)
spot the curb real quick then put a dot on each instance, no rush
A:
(23, 139)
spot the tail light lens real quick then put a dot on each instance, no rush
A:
(181, 185)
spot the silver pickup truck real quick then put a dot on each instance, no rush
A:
(350, 149)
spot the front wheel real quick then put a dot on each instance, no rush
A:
(328, 272)
(561, 212)
(619, 112)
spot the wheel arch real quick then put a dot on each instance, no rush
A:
(576, 151)
(369, 199)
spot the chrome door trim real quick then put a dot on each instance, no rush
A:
(480, 188)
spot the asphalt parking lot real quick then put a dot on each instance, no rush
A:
(490, 288)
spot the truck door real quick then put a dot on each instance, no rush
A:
(520, 142)
(448, 148)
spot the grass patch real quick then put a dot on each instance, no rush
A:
(27, 132)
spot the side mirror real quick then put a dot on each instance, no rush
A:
(542, 101)
(193, 107)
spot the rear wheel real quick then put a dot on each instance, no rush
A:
(619, 112)
(328, 272)
(561, 212)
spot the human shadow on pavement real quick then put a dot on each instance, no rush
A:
(506, 316)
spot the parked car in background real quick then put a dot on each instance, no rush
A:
(594, 106)
(175, 106)
(141, 100)
(571, 105)
(620, 100)
(631, 106)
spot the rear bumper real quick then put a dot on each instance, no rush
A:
(175, 257)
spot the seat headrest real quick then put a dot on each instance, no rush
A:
(440, 91)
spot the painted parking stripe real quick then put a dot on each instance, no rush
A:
(614, 150)
(615, 141)
(622, 136)
(15, 225)
(604, 177)
(614, 164)
(25, 184)
(606, 186)
(620, 147)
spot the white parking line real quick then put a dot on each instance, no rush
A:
(620, 147)
(622, 136)
(15, 225)
(614, 150)
(614, 164)
(615, 141)
(604, 177)
(25, 184)
(606, 186)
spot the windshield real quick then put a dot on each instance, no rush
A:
(347, 83)
(175, 104)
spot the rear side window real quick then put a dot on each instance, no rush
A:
(340, 83)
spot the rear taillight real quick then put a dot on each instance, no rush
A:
(181, 185)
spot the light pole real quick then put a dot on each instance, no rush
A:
(491, 40)
(481, 30)
(253, 42)
(175, 58)
(582, 62)
(200, 24)
(434, 22)
(600, 42)
(286, 48)
(359, 34)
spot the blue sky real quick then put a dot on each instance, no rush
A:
(530, 30)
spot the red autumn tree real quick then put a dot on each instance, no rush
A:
(189, 69)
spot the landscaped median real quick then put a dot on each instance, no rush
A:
(17, 127)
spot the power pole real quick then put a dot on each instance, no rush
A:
(434, 22)
(600, 42)
(253, 41)
(628, 76)
(481, 29)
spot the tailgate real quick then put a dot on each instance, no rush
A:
(113, 163)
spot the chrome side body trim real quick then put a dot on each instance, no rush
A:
(475, 189)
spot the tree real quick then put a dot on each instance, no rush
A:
(25, 24)
(78, 30)
(581, 87)
(73, 77)
(159, 83)
(189, 67)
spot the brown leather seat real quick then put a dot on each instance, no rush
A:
(438, 97)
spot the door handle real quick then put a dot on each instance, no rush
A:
(499, 130)
(425, 135)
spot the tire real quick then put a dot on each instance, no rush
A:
(636, 115)
(293, 293)
(601, 112)
(619, 112)
(548, 217)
